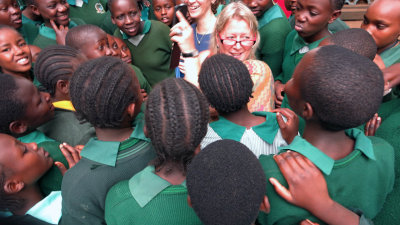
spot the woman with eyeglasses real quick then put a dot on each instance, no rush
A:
(235, 34)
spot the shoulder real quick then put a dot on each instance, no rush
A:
(159, 27)
(382, 149)
(117, 194)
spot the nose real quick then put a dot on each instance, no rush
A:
(108, 51)
(113, 52)
(14, 10)
(123, 54)
(300, 16)
(32, 146)
(17, 50)
(46, 96)
(61, 8)
(128, 20)
(163, 11)
(252, 3)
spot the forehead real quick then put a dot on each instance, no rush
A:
(385, 10)
(7, 2)
(110, 38)
(237, 25)
(8, 35)
(26, 90)
(318, 4)
(123, 5)
(94, 36)
(119, 41)
(163, 2)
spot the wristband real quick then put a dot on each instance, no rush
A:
(190, 54)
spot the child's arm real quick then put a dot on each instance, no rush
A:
(290, 127)
(308, 189)
(61, 32)
(71, 154)
(278, 93)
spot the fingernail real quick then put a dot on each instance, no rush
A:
(309, 222)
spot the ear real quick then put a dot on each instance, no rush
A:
(335, 15)
(265, 206)
(131, 109)
(34, 10)
(18, 127)
(189, 201)
(13, 186)
(308, 111)
(63, 86)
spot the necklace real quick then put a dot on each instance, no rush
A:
(202, 35)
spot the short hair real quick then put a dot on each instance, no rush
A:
(343, 88)
(12, 108)
(54, 63)
(77, 36)
(234, 10)
(226, 83)
(176, 120)
(101, 89)
(337, 4)
(226, 184)
(357, 40)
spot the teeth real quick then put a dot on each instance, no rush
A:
(22, 61)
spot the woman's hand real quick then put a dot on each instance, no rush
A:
(182, 33)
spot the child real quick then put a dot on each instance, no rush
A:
(54, 69)
(106, 93)
(126, 55)
(56, 21)
(164, 11)
(176, 121)
(146, 40)
(28, 17)
(21, 166)
(93, 43)
(312, 19)
(350, 160)
(11, 16)
(273, 27)
(219, 181)
(113, 46)
(226, 83)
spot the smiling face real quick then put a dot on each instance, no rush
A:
(126, 15)
(258, 7)
(57, 10)
(96, 45)
(15, 55)
(38, 107)
(198, 8)
(382, 21)
(164, 11)
(10, 14)
(126, 55)
(236, 29)
(312, 18)
(25, 162)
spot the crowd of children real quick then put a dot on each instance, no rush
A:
(96, 129)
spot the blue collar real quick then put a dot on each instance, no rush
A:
(146, 185)
(362, 144)
(106, 152)
(266, 130)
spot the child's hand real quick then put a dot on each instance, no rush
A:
(61, 32)
(372, 125)
(144, 94)
(290, 128)
(308, 222)
(182, 33)
(278, 93)
(379, 61)
(391, 75)
(71, 154)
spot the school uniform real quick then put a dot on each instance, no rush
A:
(48, 209)
(103, 164)
(147, 198)
(151, 50)
(29, 32)
(273, 28)
(34, 136)
(264, 138)
(65, 127)
(47, 36)
(26, 20)
(144, 84)
(360, 180)
(390, 131)
(335, 26)
(391, 55)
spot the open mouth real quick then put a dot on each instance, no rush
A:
(23, 61)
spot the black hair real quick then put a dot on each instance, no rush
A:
(101, 89)
(176, 121)
(110, 2)
(357, 40)
(54, 63)
(11, 108)
(77, 36)
(337, 4)
(344, 89)
(226, 184)
(226, 83)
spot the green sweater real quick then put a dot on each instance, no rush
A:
(360, 180)
(153, 52)
(29, 32)
(148, 199)
(390, 131)
(103, 164)
(273, 28)
(144, 84)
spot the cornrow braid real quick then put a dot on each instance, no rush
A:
(226, 83)
(54, 63)
(176, 121)
(101, 89)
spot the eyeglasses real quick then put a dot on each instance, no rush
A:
(232, 42)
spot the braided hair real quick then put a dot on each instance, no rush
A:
(54, 63)
(226, 83)
(176, 120)
(101, 89)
